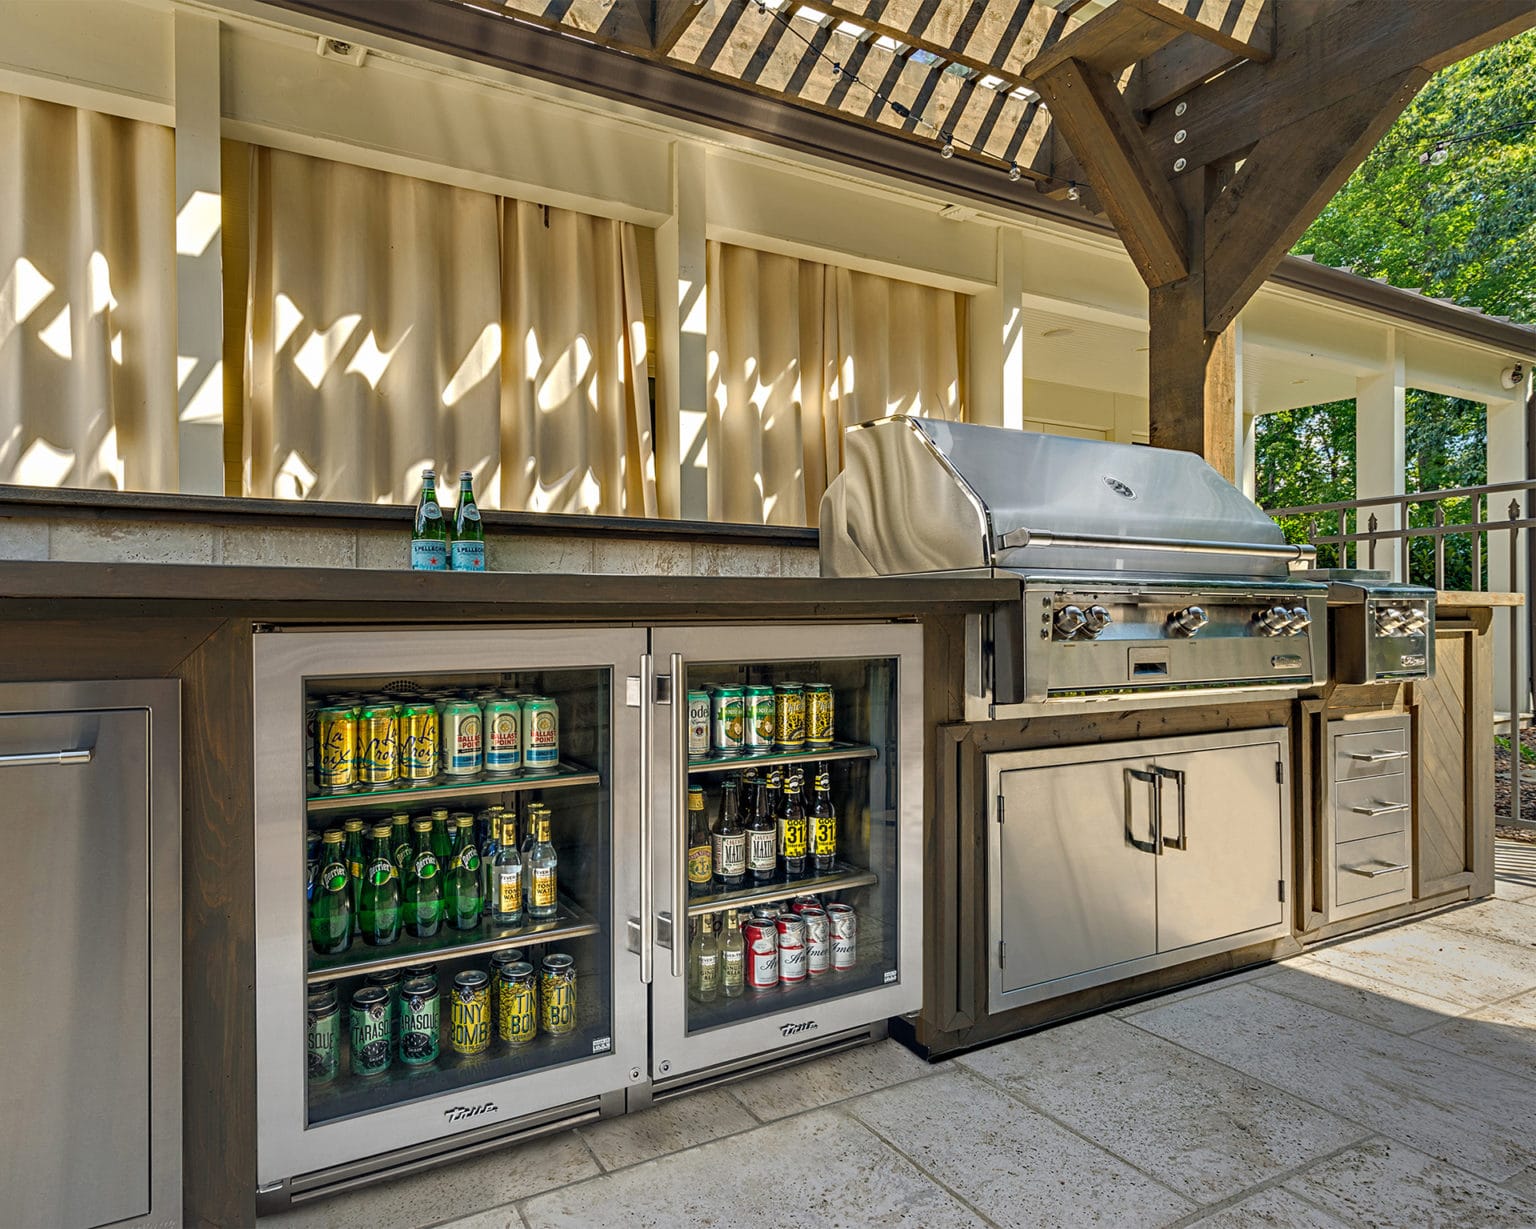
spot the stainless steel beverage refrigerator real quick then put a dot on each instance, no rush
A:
(508, 1029)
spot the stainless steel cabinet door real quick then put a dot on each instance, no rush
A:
(1078, 879)
(1221, 868)
(74, 947)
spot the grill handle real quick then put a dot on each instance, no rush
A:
(1377, 757)
(80, 756)
(1385, 808)
(1376, 872)
(1155, 845)
(1293, 552)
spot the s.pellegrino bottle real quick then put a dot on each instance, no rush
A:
(429, 535)
(467, 554)
(379, 898)
(424, 886)
(330, 912)
(463, 886)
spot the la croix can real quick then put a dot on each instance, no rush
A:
(761, 935)
(517, 1014)
(792, 955)
(818, 715)
(789, 716)
(818, 942)
(541, 734)
(503, 736)
(370, 1030)
(698, 725)
(418, 1021)
(462, 725)
(418, 743)
(336, 749)
(471, 1012)
(757, 720)
(324, 1033)
(378, 738)
(557, 994)
(844, 925)
(725, 720)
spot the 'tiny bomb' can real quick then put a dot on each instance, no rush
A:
(471, 1012)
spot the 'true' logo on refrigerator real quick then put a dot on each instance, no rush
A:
(789, 1030)
(460, 1112)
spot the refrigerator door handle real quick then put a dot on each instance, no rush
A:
(647, 916)
(679, 793)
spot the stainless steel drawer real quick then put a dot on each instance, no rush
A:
(1371, 806)
(1371, 753)
(1375, 867)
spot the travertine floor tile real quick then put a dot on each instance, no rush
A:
(830, 1079)
(1395, 1008)
(1503, 1036)
(1200, 1128)
(668, 1127)
(1273, 1207)
(1462, 968)
(499, 1218)
(1014, 1166)
(1494, 919)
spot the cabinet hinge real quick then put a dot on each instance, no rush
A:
(1002, 954)
(999, 808)
(1282, 891)
(1279, 772)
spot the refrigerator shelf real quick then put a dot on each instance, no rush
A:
(732, 763)
(845, 876)
(567, 774)
(870, 973)
(571, 922)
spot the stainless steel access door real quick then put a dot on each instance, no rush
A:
(90, 951)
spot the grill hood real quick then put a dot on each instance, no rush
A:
(922, 495)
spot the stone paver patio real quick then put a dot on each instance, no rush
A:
(1386, 1080)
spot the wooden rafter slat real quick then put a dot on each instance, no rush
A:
(617, 23)
(1108, 41)
(668, 20)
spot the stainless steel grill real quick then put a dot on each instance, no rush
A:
(1378, 631)
(1141, 569)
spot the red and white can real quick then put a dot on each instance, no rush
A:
(762, 941)
(792, 954)
(801, 903)
(818, 942)
(844, 925)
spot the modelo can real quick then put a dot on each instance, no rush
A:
(418, 742)
(323, 1034)
(541, 734)
(378, 741)
(462, 725)
(698, 725)
(557, 995)
(471, 1012)
(517, 1008)
(757, 720)
(818, 714)
(761, 935)
(792, 954)
(370, 1031)
(336, 749)
(390, 981)
(418, 1021)
(725, 720)
(818, 942)
(789, 716)
(503, 736)
(844, 925)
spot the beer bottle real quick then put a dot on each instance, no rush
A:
(461, 887)
(704, 962)
(823, 823)
(762, 837)
(330, 913)
(353, 828)
(543, 884)
(429, 535)
(468, 551)
(424, 889)
(733, 957)
(775, 792)
(727, 805)
(379, 899)
(730, 841)
(507, 889)
(700, 845)
(793, 827)
(488, 840)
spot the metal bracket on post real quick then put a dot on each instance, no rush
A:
(1515, 688)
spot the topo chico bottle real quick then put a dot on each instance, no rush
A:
(429, 534)
(467, 553)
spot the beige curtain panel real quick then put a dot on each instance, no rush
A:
(395, 324)
(87, 293)
(799, 351)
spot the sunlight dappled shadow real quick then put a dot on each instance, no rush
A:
(482, 360)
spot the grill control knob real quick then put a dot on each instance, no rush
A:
(1273, 621)
(1097, 619)
(1188, 621)
(1069, 621)
(1389, 620)
(1414, 622)
(1300, 621)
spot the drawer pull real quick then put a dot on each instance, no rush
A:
(1377, 757)
(1382, 807)
(1376, 872)
(81, 756)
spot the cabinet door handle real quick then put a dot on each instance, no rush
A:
(1377, 757)
(1382, 807)
(1376, 872)
(678, 761)
(647, 918)
(1155, 845)
(1177, 777)
(81, 755)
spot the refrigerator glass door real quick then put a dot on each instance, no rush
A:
(829, 914)
(415, 977)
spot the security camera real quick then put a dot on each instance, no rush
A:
(1513, 377)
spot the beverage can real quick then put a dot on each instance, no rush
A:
(370, 1031)
(844, 925)
(336, 749)
(503, 736)
(541, 734)
(323, 1034)
(557, 994)
(462, 725)
(818, 942)
(818, 715)
(517, 1016)
(418, 743)
(725, 720)
(789, 716)
(698, 725)
(762, 939)
(471, 1012)
(418, 1021)
(390, 981)
(378, 740)
(792, 953)
(757, 720)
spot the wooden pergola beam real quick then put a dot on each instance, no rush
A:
(668, 21)
(611, 23)
(1243, 28)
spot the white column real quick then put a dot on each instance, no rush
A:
(997, 339)
(199, 273)
(1381, 450)
(682, 323)
(1242, 421)
(1506, 463)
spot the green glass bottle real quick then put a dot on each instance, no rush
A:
(423, 902)
(429, 534)
(379, 900)
(353, 828)
(461, 889)
(442, 841)
(330, 912)
(400, 844)
(467, 553)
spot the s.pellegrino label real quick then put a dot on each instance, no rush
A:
(468, 557)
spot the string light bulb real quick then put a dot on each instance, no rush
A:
(1014, 174)
(1073, 194)
(1439, 155)
(837, 70)
(949, 145)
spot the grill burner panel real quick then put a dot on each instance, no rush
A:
(1379, 631)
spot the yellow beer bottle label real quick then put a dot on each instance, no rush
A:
(700, 860)
(544, 886)
(824, 840)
